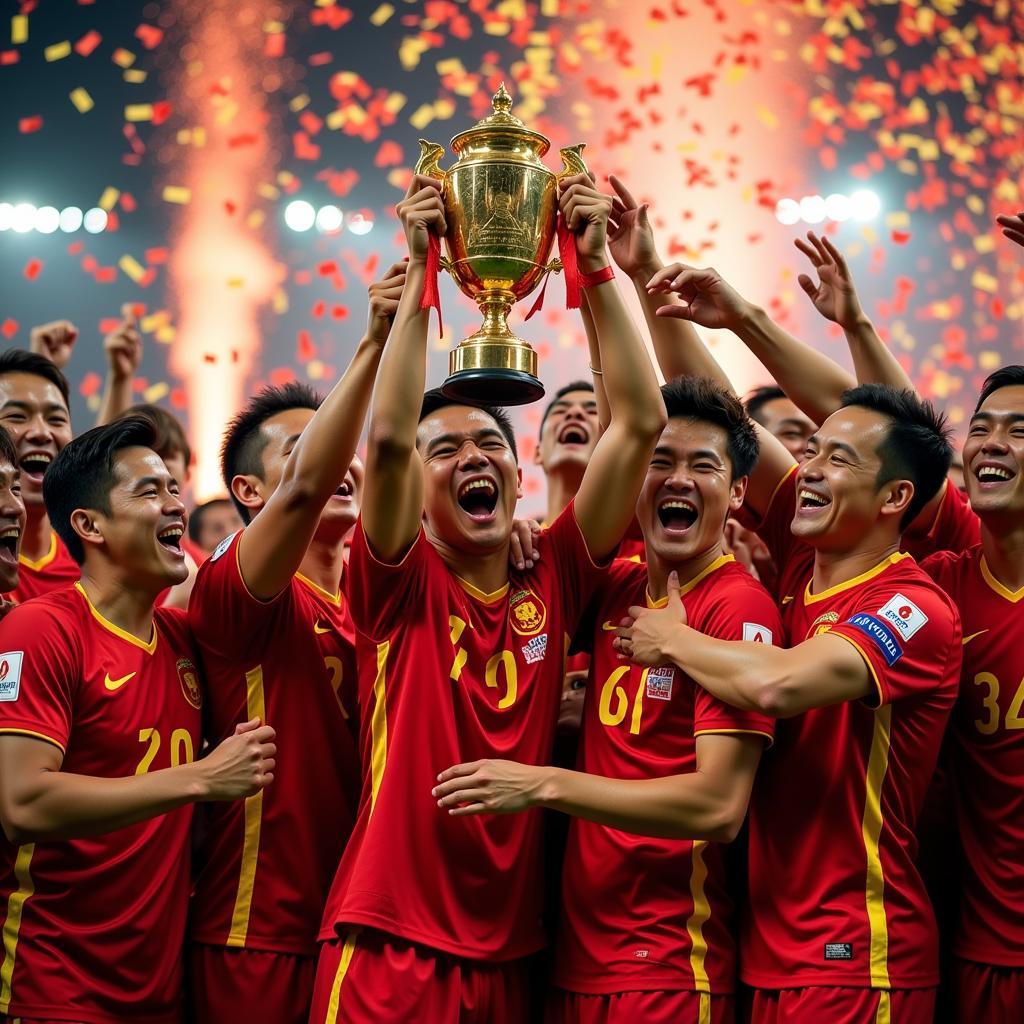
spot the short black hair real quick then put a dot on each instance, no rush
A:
(757, 398)
(917, 445)
(574, 385)
(1005, 377)
(170, 434)
(700, 398)
(195, 520)
(435, 399)
(18, 360)
(83, 475)
(241, 452)
(8, 452)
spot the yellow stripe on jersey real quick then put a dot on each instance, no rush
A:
(883, 1015)
(704, 1012)
(255, 706)
(42, 563)
(379, 724)
(339, 976)
(871, 829)
(12, 924)
(696, 921)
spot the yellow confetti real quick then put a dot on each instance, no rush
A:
(19, 29)
(267, 191)
(155, 392)
(897, 219)
(382, 14)
(109, 198)
(131, 266)
(975, 205)
(316, 370)
(138, 112)
(58, 51)
(255, 220)
(82, 100)
(123, 58)
(767, 118)
(297, 103)
(135, 75)
(236, 282)
(280, 301)
(154, 321)
(984, 243)
(984, 281)
(422, 116)
(549, 8)
(177, 194)
(989, 360)
(165, 335)
(735, 74)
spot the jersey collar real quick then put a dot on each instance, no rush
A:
(1013, 596)
(686, 587)
(43, 562)
(810, 598)
(334, 599)
(149, 648)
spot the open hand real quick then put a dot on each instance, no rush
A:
(488, 787)
(709, 300)
(834, 295)
(631, 241)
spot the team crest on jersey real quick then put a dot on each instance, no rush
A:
(526, 613)
(659, 682)
(822, 624)
(188, 676)
(10, 674)
(535, 649)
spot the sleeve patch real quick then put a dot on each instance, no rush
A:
(881, 634)
(755, 633)
(904, 615)
(10, 674)
(222, 547)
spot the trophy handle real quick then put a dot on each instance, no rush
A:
(572, 161)
(554, 267)
(429, 161)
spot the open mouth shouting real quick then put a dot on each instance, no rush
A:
(33, 466)
(809, 501)
(574, 433)
(677, 515)
(10, 537)
(170, 538)
(992, 474)
(478, 498)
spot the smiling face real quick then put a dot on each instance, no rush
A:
(779, 416)
(569, 433)
(839, 500)
(688, 492)
(471, 480)
(12, 524)
(35, 415)
(994, 456)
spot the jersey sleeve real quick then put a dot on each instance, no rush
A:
(222, 613)
(380, 593)
(955, 527)
(774, 527)
(40, 667)
(908, 633)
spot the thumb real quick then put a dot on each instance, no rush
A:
(673, 589)
(641, 217)
(244, 727)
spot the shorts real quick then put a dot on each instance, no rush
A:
(248, 985)
(678, 1007)
(818, 1004)
(374, 978)
(985, 992)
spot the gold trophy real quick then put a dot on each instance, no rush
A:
(501, 206)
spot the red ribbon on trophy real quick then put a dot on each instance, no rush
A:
(431, 297)
(570, 267)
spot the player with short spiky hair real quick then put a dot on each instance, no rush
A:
(100, 706)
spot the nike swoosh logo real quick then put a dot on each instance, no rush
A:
(116, 684)
(609, 625)
(320, 630)
(968, 639)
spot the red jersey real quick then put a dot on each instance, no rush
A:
(93, 928)
(449, 674)
(987, 751)
(954, 528)
(266, 863)
(54, 571)
(640, 913)
(835, 896)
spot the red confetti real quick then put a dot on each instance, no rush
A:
(9, 328)
(91, 384)
(32, 269)
(88, 43)
(149, 35)
(157, 255)
(9, 57)
(281, 375)
(27, 125)
(306, 350)
(161, 111)
(109, 324)
(901, 237)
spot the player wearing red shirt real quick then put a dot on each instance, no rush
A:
(34, 411)
(987, 746)
(645, 931)
(12, 513)
(276, 640)
(100, 704)
(459, 656)
(839, 926)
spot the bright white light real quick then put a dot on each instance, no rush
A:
(70, 219)
(328, 219)
(95, 220)
(47, 220)
(812, 209)
(23, 217)
(865, 205)
(359, 224)
(787, 211)
(837, 207)
(299, 215)
(6, 215)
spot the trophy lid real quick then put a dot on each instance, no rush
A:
(502, 124)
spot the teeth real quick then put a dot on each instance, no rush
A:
(815, 499)
(174, 531)
(994, 473)
(687, 506)
(477, 485)
(38, 457)
(12, 531)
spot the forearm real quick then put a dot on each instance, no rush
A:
(812, 381)
(873, 363)
(117, 398)
(594, 350)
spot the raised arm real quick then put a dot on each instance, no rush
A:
(123, 351)
(55, 340)
(636, 411)
(273, 545)
(393, 491)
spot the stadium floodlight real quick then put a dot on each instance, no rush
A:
(838, 207)
(787, 211)
(70, 219)
(328, 220)
(299, 215)
(865, 205)
(359, 223)
(95, 220)
(812, 209)
(23, 218)
(6, 216)
(47, 220)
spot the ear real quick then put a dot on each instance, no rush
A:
(898, 495)
(85, 522)
(247, 489)
(519, 483)
(536, 454)
(737, 493)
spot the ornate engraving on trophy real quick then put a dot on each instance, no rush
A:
(503, 229)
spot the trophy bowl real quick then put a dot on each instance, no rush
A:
(501, 207)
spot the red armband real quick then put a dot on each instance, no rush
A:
(597, 277)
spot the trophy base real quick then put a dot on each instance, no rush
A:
(493, 387)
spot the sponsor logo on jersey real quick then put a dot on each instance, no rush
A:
(904, 615)
(755, 633)
(838, 950)
(880, 633)
(116, 684)
(320, 629)
(10, 674)
(188, 676)
(535, 650)
(659, 682)
(526, 613)
(222, 547)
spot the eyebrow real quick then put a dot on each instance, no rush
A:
(14, 403)
(1006, 417)
(484, 432)
(799, 424)
(153, 481)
